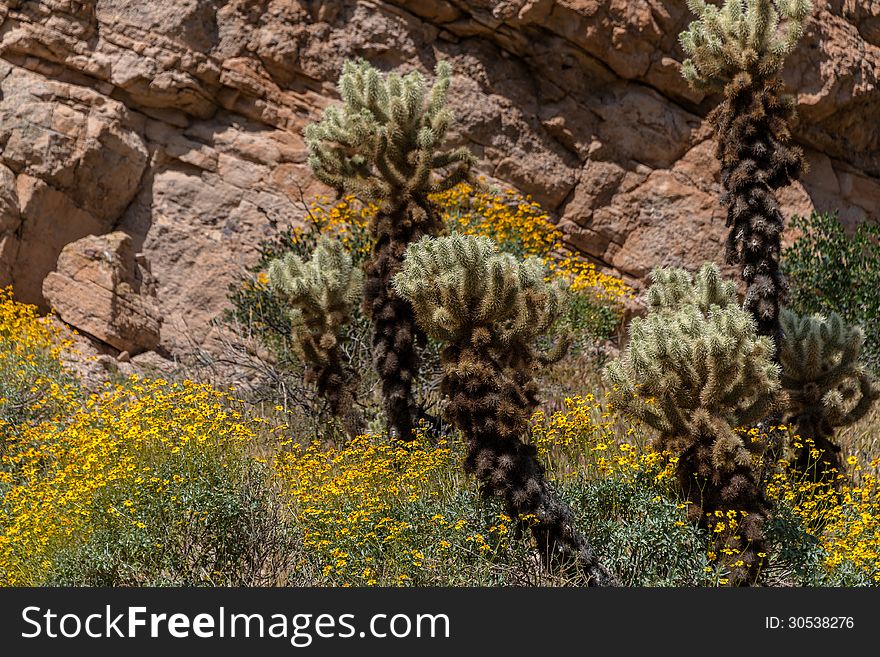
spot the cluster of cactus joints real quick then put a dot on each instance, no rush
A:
(322, 293)
(826, 385)
(384, 144)
(695, 369)
(740, 49)
(487, 309)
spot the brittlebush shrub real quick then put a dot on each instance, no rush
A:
(146, 482)
(30, 362)
(826, 535)
(376, 512)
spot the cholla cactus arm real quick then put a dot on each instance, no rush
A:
(868, 392)
(752, 36)
(385, 144)
(632, 403)
(488, 309)
(694, 369)
(321, 293)
(827, 386)
(387, 137)
(740, 48)
(672, 288)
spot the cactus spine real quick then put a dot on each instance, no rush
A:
(385, 145)
(827, 386)
(488, 308)
(321, 294)
(694, 370)
(739, 49)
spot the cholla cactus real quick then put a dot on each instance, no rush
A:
(385, 141)
(827, 386)
(385, 145)
(695, 369)
(753, 36)
(321, 293)
(740, 48)
(488, 308)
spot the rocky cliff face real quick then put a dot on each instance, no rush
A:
(179, 124)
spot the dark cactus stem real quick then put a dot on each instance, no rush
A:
(490, 404)
(336, 384)
(816, 433)
(395, 332)
(737, 539)
(331, 380)
(752, 130)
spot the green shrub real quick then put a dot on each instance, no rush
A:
(830, 271)
(34, 383)
(642, 530)
(224, 526)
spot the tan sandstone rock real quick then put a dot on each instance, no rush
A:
(101, 289)
(180, 123)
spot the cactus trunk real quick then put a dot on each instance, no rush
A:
(729, 505)
(394, 325)
(490, 409)
(815, 433)
(751, 127)
(489, 309)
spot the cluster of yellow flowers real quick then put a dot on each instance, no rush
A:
(53, 465)
(726, 525)
(344, 495)
(519, 225)
(348, 219)
(52, 471)
(516, 223)
(366, 507)
(843, 516)
(584, 439)
(584, 277)
(24, 334)
(30, 353)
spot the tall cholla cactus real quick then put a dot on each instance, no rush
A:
(695, 369)
(740, 49)
(385, 145)
(321, 293)
(827, 386)
(488, 308)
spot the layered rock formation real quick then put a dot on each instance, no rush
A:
(107, 291)
(180, 124)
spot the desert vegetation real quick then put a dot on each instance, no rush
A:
(440, 392)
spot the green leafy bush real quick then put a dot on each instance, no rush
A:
(225, 526)
(34, 383)
(830, 271)
(642, 530)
